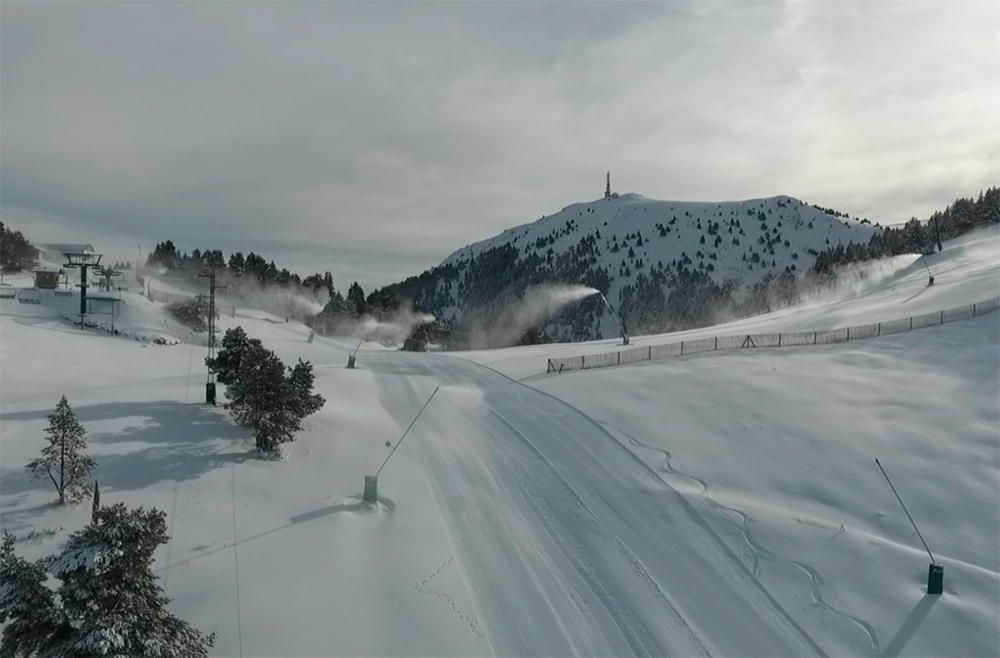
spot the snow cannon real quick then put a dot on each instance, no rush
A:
(353, 358)
(935, 578)
(621, 319)
(370, 494)
(935, 572)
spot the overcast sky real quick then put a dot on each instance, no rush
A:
(374, 139)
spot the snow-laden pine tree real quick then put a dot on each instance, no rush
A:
(27, 609)
(63, 460)
(108, 602)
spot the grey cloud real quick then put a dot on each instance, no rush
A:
(372, 139)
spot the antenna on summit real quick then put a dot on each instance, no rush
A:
(607, 188)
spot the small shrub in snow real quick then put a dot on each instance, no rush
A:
(63, 460)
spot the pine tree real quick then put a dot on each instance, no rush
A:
(27, 607)
(356, 296)
(108, 604)
(261, 396)
(63, 460)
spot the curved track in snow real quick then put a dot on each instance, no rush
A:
(571, 544)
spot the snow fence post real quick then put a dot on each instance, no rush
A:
(879, 332)
(682, 348)
(779, 339)
(548, 366)
(619, 358)
(942, 318)
(814, 337)
(973, 310)
(649, 350)
(717, 343)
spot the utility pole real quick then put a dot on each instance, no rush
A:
(212, 287)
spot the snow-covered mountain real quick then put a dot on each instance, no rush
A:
(623, 243)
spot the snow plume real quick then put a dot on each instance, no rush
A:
(465, 398)
(536, 306)
(390, 330)
(290, 302)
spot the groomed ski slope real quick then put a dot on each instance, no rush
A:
(713, 505)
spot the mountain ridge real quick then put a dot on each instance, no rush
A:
(627, 244)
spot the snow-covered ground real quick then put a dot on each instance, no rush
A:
(719, 504)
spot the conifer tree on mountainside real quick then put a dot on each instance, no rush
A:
(63, 460)
(108, 602)
(16, 253)
(356, 296)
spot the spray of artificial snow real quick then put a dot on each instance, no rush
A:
(390, 330)
(291, 302)
(537, 305)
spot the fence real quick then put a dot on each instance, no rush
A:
(784, 339)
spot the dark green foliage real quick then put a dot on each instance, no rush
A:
(263, 394)
(27, 607)
(356, 296)
(16, 253)
(192, 313)
(916, 237)
(63, 460)
(108, 602)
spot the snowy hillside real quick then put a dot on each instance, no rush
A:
(713, 505)
(621, 243)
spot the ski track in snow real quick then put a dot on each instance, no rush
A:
(757, 551)
(593, 572)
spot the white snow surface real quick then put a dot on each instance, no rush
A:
(717, 504)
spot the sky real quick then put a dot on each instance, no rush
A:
(373, 139)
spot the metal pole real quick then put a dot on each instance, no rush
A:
(926, 547)
(412, 422)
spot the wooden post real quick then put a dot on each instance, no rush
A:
(879, 332)
(649, 349)
(848, 333)
(716, 343)
(779, 339)
(682, 348)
